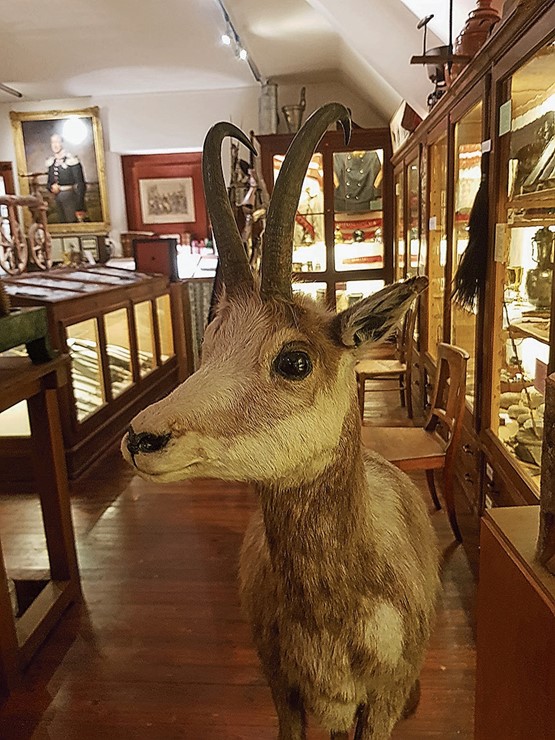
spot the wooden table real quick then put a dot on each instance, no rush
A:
(20, 636)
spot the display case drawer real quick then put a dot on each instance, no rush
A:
(468, 464)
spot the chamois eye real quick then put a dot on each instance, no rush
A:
(293, 364)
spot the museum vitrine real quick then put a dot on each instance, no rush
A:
(502, 103)
(525, 252)
(342, 246)
(117, 327)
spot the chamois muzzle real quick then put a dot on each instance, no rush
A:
(145, 442)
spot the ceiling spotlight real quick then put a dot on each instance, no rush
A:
(243, 54)
(226, 39)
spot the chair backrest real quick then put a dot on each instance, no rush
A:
(448, 394)
(404, 341)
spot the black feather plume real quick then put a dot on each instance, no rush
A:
(470, 277)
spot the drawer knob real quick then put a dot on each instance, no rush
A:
(468, 478)
(468, 449)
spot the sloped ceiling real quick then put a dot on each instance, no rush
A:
(75, 48)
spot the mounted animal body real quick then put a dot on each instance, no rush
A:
(339, 564)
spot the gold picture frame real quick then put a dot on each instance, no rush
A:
(64, 145)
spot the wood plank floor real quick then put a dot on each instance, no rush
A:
(159, 648)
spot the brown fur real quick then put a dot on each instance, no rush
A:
(338, 567)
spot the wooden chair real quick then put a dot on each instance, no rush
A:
(434, 446)
(399, 367)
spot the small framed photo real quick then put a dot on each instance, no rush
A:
(168, 200)
(90, 244)
(57, 249)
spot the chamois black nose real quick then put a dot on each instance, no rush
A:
(145, 442)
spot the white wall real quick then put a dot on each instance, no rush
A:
(170, 122)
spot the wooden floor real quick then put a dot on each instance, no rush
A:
(159, 648)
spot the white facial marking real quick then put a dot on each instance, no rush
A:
(300, 443)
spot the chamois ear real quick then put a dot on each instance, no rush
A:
(374, 318)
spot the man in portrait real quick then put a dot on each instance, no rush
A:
(66, 182)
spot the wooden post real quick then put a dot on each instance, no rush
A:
(545, 552)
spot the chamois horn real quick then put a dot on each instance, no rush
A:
(277, 241)
(232, 256)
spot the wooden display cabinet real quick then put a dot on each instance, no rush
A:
(502, 105)
(521, 273)
(343, 237)
(117, 327)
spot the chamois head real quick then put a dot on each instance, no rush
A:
(276, 385)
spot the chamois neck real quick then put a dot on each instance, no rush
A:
(318, 514)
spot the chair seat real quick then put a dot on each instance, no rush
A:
(371, 368)
(409, 448)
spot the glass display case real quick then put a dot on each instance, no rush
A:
(437, 242)
(468, 154)
(117, 327)
(86, 368)
(525, 253)
(343, 226)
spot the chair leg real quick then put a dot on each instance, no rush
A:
(449, 497)
(402, 389)
(432, 486)
(408, 391)
(361, 382)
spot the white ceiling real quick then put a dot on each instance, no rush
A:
(74, 48)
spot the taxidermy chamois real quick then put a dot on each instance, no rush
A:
(339, 565)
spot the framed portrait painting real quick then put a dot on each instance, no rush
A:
(167, 200)
(66, 149)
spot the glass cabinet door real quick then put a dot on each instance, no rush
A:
(86, 368)
(357, 205)
(348, 293)
(163, 312)
(468, 155)
(399, 245)
(309, 246)
(146, 347)
(525, 268)
(118, 351)
(316, 291)
(413, 204)
(437, 242)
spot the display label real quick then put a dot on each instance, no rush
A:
(505, 112)
(432, 225)
(486, 146)
(500, 243)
